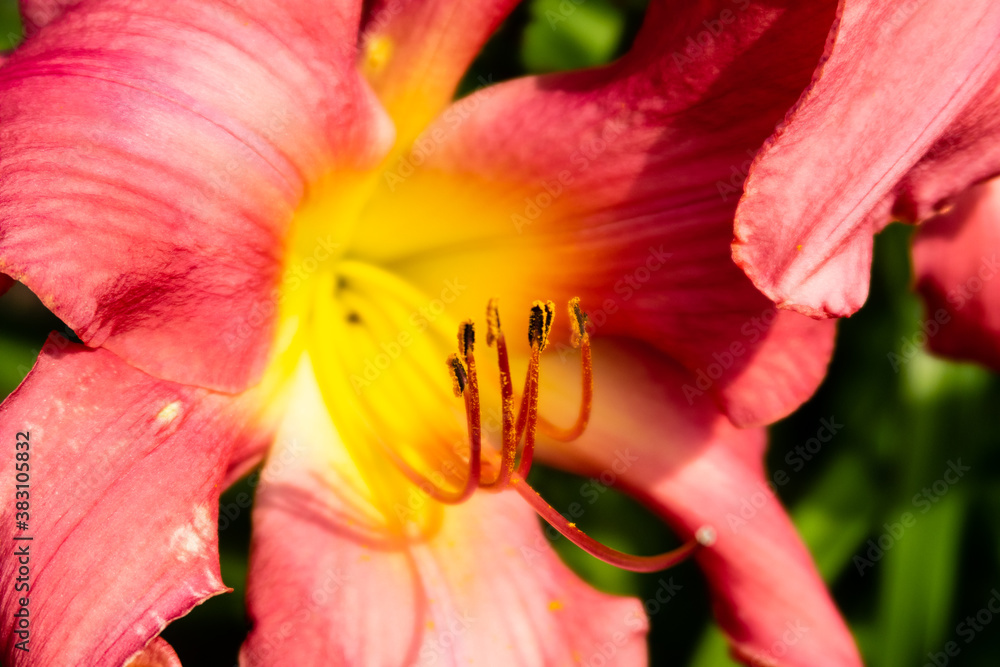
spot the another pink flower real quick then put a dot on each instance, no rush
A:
(956, 266)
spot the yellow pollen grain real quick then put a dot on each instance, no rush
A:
(555, 605)
(169, 412)
(578, 322)
(571, 525)
(798, 247)
(378, 52)
(492, 321)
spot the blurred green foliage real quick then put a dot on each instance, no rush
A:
(10, 25)
(901, 430)
(565, 35)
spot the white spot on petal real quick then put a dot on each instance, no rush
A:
(192, 539)
(169, 413)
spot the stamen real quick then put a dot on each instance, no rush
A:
(540, 324)
(704, 537)
(530, 416)
(473, 414)
(465, 383)
(459, 378)
(508, 453)
(493, 331)
(466, 338)
(579, 339)
(522, 411)
(578, 320)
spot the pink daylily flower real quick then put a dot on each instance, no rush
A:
(266, 240)
(956, 265)
(899, 120)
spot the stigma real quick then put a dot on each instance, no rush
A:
(509, 469)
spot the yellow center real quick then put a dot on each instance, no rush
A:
(380, 269)
(379, 272)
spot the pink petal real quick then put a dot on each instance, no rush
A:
(157, 653)
(150, 171)
(37, 13)
(124, 474)
(416, 53)
(486, 589)
(955, 263)
(697, 470)
(619, 186)
(895, 91)
(968, 152)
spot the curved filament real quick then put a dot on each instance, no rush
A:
(705, 537)
(586, 401)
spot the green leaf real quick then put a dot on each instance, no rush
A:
(919, 571)
(835, 517)
(18, 358)
(712, 650)
(11, 32)
(571, 34)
